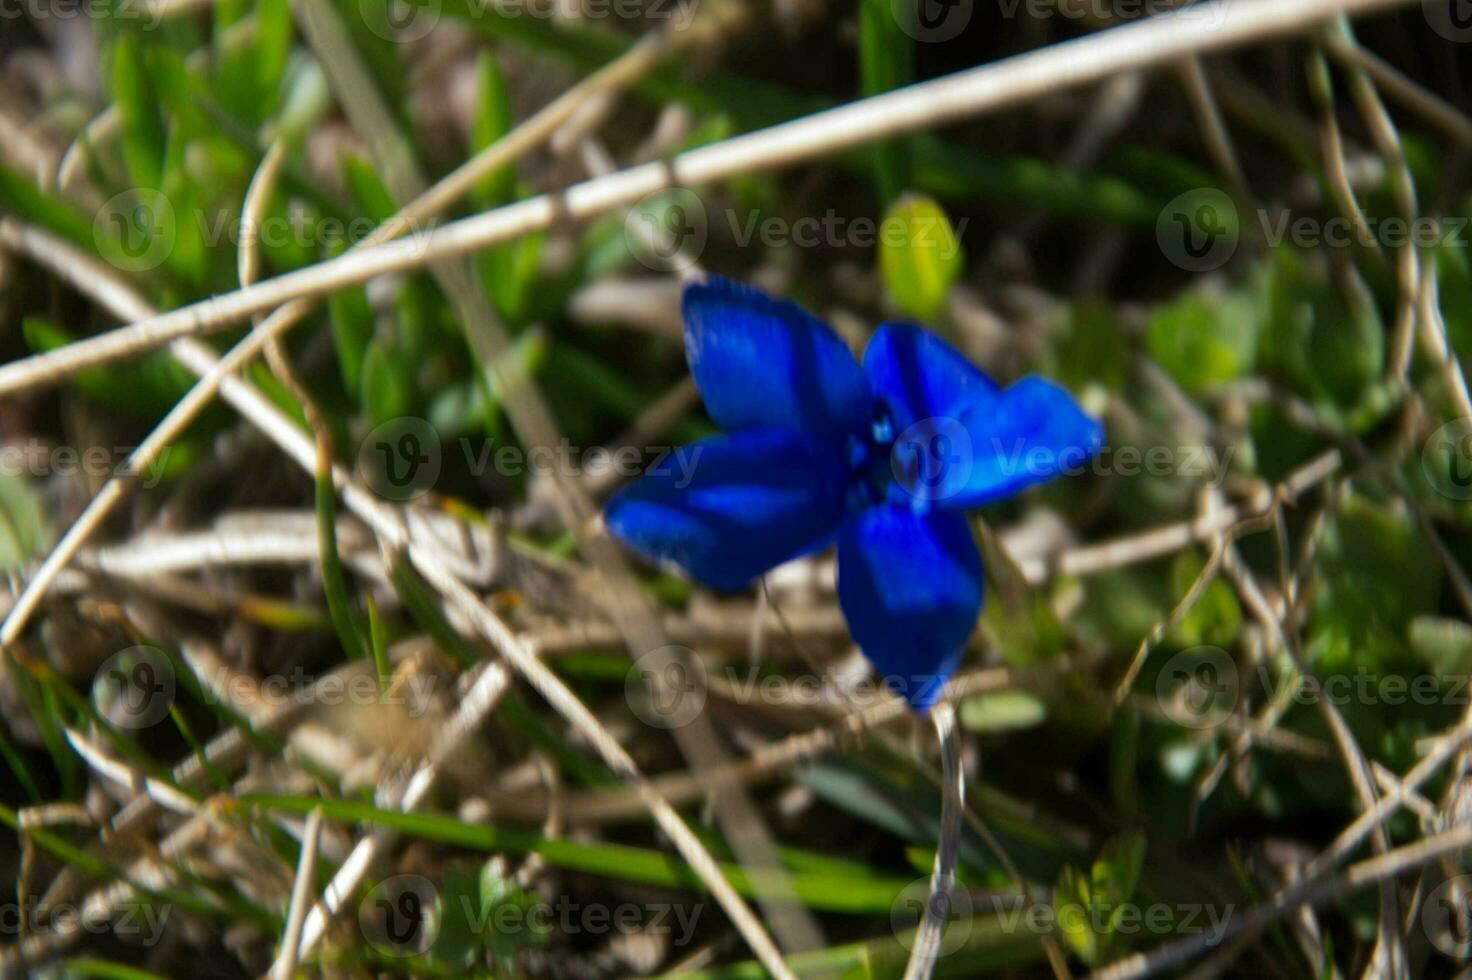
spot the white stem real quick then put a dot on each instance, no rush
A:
(301, 896)
(943, 879)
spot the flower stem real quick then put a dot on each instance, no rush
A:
(943, 879)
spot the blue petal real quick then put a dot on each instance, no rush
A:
(996, 446)
(760, 362)
(919, 376)
(730, 508)
(911, 586)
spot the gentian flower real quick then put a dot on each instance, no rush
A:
(883, 458)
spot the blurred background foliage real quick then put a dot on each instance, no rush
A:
(1049, 260)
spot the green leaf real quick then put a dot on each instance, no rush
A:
(425, 611)
(1216, 618)
(24, 530)
(1378, 572)
(506, 910)
(465, 924)
(287, 252)
(378, 643)
(20, 196)
(1324, 346)
(1024, 631)
(49, 715)
(16, 763)
(1444, 644)
(1072, 909)
(367, 190)
(920, 255)
(275, 32)
(145, 388)
(1116, 872)
(419, 311)
(510, 274)
(867, 895)
(175, 86)
(1120, 606)
(260, 375)
(86, 966)
(1090, 348)
(387, 389)
(1454, 285)
(1088, 909)
(903, 804)
(1003, 711)
(886, 61)
(460, 408)
(138, 105)
(370, 24)
(1204, 341)
(228, 13)
(492, 121)
(351, 318)
(481, 407)
(334, 581)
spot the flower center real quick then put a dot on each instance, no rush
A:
(870, 465)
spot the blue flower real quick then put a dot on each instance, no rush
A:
(883, 458)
